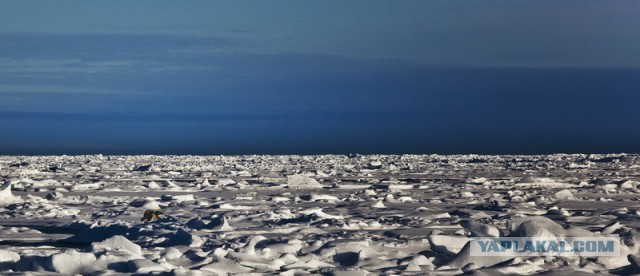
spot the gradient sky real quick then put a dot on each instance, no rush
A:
(309, 77)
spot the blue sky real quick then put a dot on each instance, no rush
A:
(241, 77)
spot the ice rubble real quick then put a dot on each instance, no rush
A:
(378, 214)
(117, 242)
(6, 196)
(302, 181)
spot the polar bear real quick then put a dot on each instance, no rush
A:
(150, 215)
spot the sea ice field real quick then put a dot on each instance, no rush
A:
(303, 215)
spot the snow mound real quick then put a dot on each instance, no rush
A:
(8, 256)
(628, 184)
(117, 242)
(465, 258)
(319, 197)
(182, 237)
(378, 204)
(153, 185)
(71, 262)
(345, 249)
(447, 244)
(170, 185)
(320, 214)
(178, 198)
(225, 182)
(144, 266)
(220, 223)
(390, 198)
(310, 264)
(225, 266)
(544, 227)
(6, 197)
(302, 181)
(536, 182)
(564, 195)
(205, 183)
(477, 180)
(418, 263)
(478, 229)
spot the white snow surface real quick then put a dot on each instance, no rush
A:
(298, 215)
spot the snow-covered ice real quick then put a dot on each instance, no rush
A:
(296, 215)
